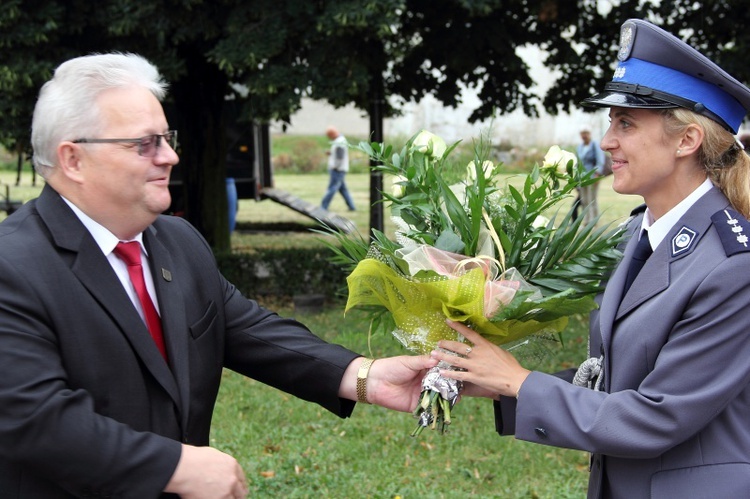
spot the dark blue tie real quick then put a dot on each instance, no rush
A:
(640, 255)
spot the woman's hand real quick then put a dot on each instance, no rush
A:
(486, 369)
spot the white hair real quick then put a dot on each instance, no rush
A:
(66, 108)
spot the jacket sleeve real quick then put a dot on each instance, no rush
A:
(278, 351)
(284, 353)
(505, 408)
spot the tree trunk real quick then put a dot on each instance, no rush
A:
(198, 101)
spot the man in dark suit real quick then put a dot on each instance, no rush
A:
(109, 369)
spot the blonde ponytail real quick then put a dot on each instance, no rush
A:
(725, 162)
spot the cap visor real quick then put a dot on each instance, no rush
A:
(616, 99)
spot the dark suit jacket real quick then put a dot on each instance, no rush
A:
(87, 405)
(672, 421)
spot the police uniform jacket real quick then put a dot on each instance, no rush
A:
(673, 417)
(88, 407)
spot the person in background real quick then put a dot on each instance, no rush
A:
(232, 203)
(115, 323)
(663, 401)
(338, 166)
(591, 157)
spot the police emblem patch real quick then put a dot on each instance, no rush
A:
(682, 241)
(733, 230)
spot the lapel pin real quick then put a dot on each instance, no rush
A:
(167, 275)
(682, 241)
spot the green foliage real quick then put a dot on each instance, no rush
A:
(562, 253)
(283, 272)
(449, 212)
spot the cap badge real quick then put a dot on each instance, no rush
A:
(682, 241)
(627, 37)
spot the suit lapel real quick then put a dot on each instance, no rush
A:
(654, 277)
(173, 314)
(608, 309)
(92, 268)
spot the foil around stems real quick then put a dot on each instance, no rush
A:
(448, 389)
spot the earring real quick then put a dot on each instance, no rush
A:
(679, 151)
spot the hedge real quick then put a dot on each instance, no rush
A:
(284, 273)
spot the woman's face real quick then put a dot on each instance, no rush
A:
(643, 156)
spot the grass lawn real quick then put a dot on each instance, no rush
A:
(290, 448)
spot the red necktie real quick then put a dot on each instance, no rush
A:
(130, 253)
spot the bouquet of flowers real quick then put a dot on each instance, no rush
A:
(476, 252)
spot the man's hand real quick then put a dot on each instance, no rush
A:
(204, 472)
(393, 382)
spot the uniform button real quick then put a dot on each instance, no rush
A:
(541, 432)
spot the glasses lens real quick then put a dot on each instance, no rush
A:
(148, 145)
(171, 138)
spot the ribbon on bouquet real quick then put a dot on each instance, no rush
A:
(498, 289)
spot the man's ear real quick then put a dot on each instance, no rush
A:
(69, 160)
(691, 139)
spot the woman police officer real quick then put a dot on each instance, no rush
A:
(668, 415)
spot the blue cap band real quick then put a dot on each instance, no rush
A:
(647, 74)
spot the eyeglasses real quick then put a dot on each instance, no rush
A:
(148, 146)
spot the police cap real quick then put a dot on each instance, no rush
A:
(657, 70)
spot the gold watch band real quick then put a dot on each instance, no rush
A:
(364, 370)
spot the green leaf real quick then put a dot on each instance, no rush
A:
(449, 241)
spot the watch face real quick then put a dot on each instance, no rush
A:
(627, 37)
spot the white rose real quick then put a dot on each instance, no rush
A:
(398, 190)
(488, 167)
(426, 141)
(559, 158)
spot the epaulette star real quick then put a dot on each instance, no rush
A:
(733, 230)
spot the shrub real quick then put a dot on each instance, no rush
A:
(283, 273)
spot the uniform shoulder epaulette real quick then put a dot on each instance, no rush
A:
(733, 230)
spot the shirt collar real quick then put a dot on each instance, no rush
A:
(103, 237)
(658, 230)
